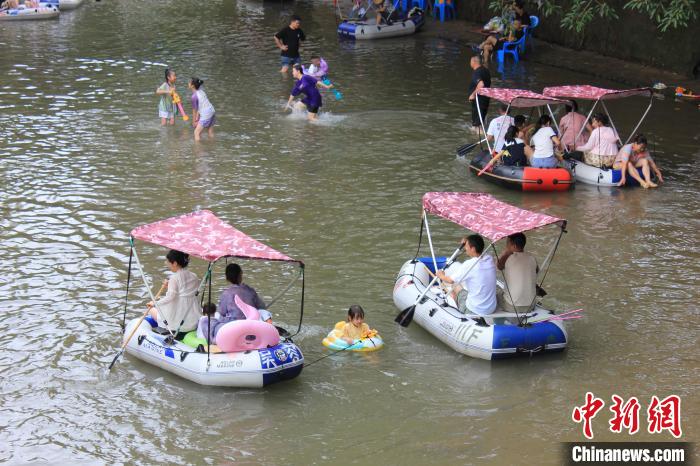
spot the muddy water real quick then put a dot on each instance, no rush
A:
(83, 160)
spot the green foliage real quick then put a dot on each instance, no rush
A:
(577, 14)
(667, 14)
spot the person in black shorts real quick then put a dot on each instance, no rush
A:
(481, 77)
(288, 41)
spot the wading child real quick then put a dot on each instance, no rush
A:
(355, 328)
(166, 109)
(203, 113)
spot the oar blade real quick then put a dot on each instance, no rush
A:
(406, 316)
(466, 149)
(114, 361)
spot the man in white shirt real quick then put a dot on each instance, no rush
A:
(498, 127)
(475, 278)
(520, 272)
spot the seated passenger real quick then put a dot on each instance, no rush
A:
(380, 7)
(570, 126)
(355, 326)
(205, 322)
(520, 273)
(228, 311)
(520, 13)
(601, 148)
(545, 141)
(492, 43)
(475, 278)
(633, 156)
(497, 128)
(515, 152)
(179, 309)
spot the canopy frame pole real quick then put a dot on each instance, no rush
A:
(420, 235)
(651, 101)
(128, 280)
(612, 123)
(548, 260)
(580, 132)
(148, 287)
(507, 289)
(554, 120)
(208, 276)
(430, 243)
(279, 295)
(204, 281)
(301, 311)
(481, 119)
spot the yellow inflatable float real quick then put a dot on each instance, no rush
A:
(369, 342)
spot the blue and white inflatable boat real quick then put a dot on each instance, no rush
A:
(369, 29)
(44, 11)
(498, 336)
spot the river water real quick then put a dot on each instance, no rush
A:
(83, 160)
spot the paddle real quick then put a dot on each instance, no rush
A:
(405, 317)
(467, 148)
(338, 95)
(126, 342)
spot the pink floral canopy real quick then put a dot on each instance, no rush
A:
(202, 234)
(587, 92)
(483, 214)
(519, 98)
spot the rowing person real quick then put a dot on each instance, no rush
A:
(306, 85)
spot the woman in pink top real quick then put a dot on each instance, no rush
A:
(570, 125)
(601, 148)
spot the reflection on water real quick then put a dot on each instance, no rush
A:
(83, 160)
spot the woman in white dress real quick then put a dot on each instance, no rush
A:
(180, 308)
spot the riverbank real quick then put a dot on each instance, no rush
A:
(579, 61)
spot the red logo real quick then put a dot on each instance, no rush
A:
(587, 412)
(626, 415)
(665, 415)
(661, 415)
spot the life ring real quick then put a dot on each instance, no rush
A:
(334, 340)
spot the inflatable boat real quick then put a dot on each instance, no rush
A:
(248, 352)
(368, 29)
(583, 172)
(523, 178)
(495, 337)
(253, 368)
(334, 340)
(588, 174)
(498, 335)
(26, 14)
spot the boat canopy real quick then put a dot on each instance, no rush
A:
(587, 92)
(202, 234)
(519, 98)
(484, 214)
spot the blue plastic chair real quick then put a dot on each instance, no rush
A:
(534, 22)
(444, 8)
(512, 48)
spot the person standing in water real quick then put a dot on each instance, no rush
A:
(203, 113)
(288, 41)
(166, 108)
(306, 85)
